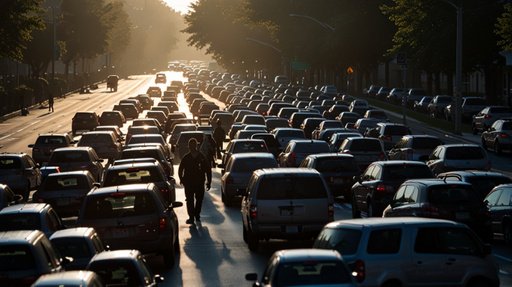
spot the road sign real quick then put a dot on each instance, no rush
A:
(350, 70)
(401, 59)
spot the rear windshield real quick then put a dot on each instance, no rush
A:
(291, 187)
(475, 101)
(336, 165)
(119, 204)
(84, 116)
(10, 163)
(366, 145)
(136, 140)
(343, 240)
(426, 143)
(403, 172)
(56, 183)
(18, 221)
(291, 133)
(132, 175)
(461, 153)
(312, 147)
(96, 139)
(253, 164)
(249, 147)
(16, 257)
(396, 130)
(72, 247)
(50, 140)
(70, 156)
(312, 272)
(152, 153)
(452, 194)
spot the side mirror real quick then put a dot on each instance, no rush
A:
(158, 278)
(31, 145)
(176, 204)
(251, 276)
(96, 184)
(17, 198)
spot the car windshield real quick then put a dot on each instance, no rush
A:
(16, 257)
(20, 221)
(344, 240)
(311, 272)
(253, 164)
(10, 163)
(72, 247)
(365, 145)
(56, 183)
(451, 195)
(425, 143)
(249, 147)
(401, 172)
(291, 187)
(336, 165)
(132, 175)
(463, 153)
(118, 204)
(50, 140)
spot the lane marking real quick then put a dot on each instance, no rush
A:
(9, 135)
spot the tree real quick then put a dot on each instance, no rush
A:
(119, 31)
(18, 18)
(504, 28)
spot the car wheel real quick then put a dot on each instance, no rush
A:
(244, 234)
(355, 212)
(252, 241)
(169, 256)
(507, 232)
(497, 147)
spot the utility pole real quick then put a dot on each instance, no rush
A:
(458, 72)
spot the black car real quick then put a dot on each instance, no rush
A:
(482, 181)
(376, 186)
(499, 203)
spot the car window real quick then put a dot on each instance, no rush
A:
(376, 173)
(396, 130)
(96, 242)
(406, 171)
(426, 143)
(446, 240)
(72, 247)
(484, 184)
(70, 156)
(451, 194)
(132, 175)
(312, 147)
(411, 194)
(365, 145)
(253, 164)
(56, 183)
(10, 163)
(49, 140)
(336, 165)
(492, 198)
(291, 187)
(507, 126)
(118, 205)
(504, 199)
(18, 221)
(314, 271)
(123, 273)
(384, 241)
(462, 153)
(249, 147)
(14, 257)
(344, 240)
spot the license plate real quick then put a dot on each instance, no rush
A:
(286, 212)
(121, 233)
(292, 229)
(462, 215)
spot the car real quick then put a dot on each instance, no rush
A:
(105, 143)
(436, 107)
(79, 243)
(372, 90)
(338, 137)
(470, 106)
(414, 147)
(413, 95)
(443, 199)
(84, 121)
(389, 133)
(77, 158)
(482, 181)
(112, 81)
(134, 102)
(8, 197)
(171, 105)
(297, 150)
(376, 114)
(123, 268)
(380, 252)
(128, 110)
(376, 186)
(141, 172)
(364, 124)
(382, 93)
(65, 191)
(154, 91)
(148, 122)
(348, 117)
(145, 100)
(112, 118)
(29, 216)
(364, 150)
(285, 135)
(178, 129)
(133, 216)
(141, 130)
(499, 136)
(324, 125)
(239, 168)
(486, 117)
(305, 267)
(297, 118)
(334, 111)
(450, 157)
(422, 104)
(310, 125)
(181, 146)
(151, 138)
(152, 150)
(359, 106)
(499, 204)
(160, 116)
(46, 143)
(118, 134)
(242, 146)
(271, 142)
(160, 78)
(20, 172)
(25, 255)
(80, 278)
(338, 171)
(287, 203)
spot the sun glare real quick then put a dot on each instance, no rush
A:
(182, 6)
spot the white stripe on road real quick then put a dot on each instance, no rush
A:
(9, 135)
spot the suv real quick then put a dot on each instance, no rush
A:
(443, 199)
(297, 150)
(80, 243)
(46, 143)
(29, 216)
(378, 183)
(77, 158)
(84, 121)
(407, 251)
(24, 256)
(20, 172)
(458, 157)
(389, 133)
(285, 203)
(414, 147)
(133, 216)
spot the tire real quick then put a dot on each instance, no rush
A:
(169, 256)
(507, 232)
(497, 147)
(478, 282)
(252, 241)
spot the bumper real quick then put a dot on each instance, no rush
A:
(287, 231)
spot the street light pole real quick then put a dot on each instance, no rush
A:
(458, 72)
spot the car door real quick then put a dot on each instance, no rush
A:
(499, 207)
(360, 190)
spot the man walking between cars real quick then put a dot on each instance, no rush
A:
(193, 170)
(219, 135)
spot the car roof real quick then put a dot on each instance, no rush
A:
(437, 181)
(66, 278)
(459, 145)
(390, 221)
(25, 208)
(68, 173)
(132, 165)
(73, 232)
(73, 148)
(116, 254)
(250, 155)
(136, 187)
(19, 236)
(399, 162)
(287, 171)
(292, 255)
(330, 155)
(12, 154)
(464, 173)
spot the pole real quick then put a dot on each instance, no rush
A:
(458, 73)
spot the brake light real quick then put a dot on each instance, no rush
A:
(359, 271)
(253, 211)
(487, 116)
(330, 212)
(503, 135)
(381, 188)
(162, 223)
(292, 158)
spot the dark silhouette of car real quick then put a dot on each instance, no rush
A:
(499, 203)
(112, 118)
(112, 82)
(84, 121)
(46, 143)
(20, 172)
(30, 216)
(414, 147)
(499, 136)
(77, 158)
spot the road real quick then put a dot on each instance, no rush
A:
(212, 252)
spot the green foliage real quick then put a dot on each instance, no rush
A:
(119, 28)
(38, 51)
(18, 18)
(504, 28)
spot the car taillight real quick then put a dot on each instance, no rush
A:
(381, 188)
(359, 271)
(253, 211)
(503, 135)
(162, 223)
(487, 116)
(292, 158)
(330, 212)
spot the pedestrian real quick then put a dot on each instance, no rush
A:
(208, 147)
(50, 103)
(194, 169)
(219, 135)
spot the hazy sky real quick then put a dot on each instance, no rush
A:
(181, 6)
